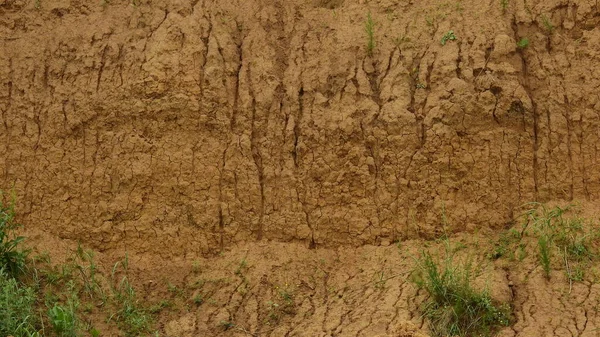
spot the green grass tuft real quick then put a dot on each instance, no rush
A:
(131, 317)
(455, 308)
(12, 259)
(545, 254)
(18, 317)
(566, 236)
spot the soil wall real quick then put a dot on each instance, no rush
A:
(188, 126)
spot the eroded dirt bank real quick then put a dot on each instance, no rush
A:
(187, 126)
(286, 289)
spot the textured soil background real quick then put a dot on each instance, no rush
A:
(175, 130)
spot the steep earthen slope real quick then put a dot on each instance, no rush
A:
(179, 127)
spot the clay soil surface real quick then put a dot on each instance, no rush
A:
(286, 289)
(268, 169)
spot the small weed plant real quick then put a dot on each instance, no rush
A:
(370, 30)
(380, 280)
(398, 41)
(454, 307)
(226, 325)
(282, 303)
(545, 254)
(523, 43)
(505, 246)
(449, 36)
(547, 24)
(63, 320)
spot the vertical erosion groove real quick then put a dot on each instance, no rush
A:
(527, 86)
(258, 161)
(297, 126)
(255, 135)
(570, 130)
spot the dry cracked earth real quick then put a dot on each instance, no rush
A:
(265, 141)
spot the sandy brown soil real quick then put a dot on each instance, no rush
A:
(178, 129)
(176, 126)
(285, 289)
